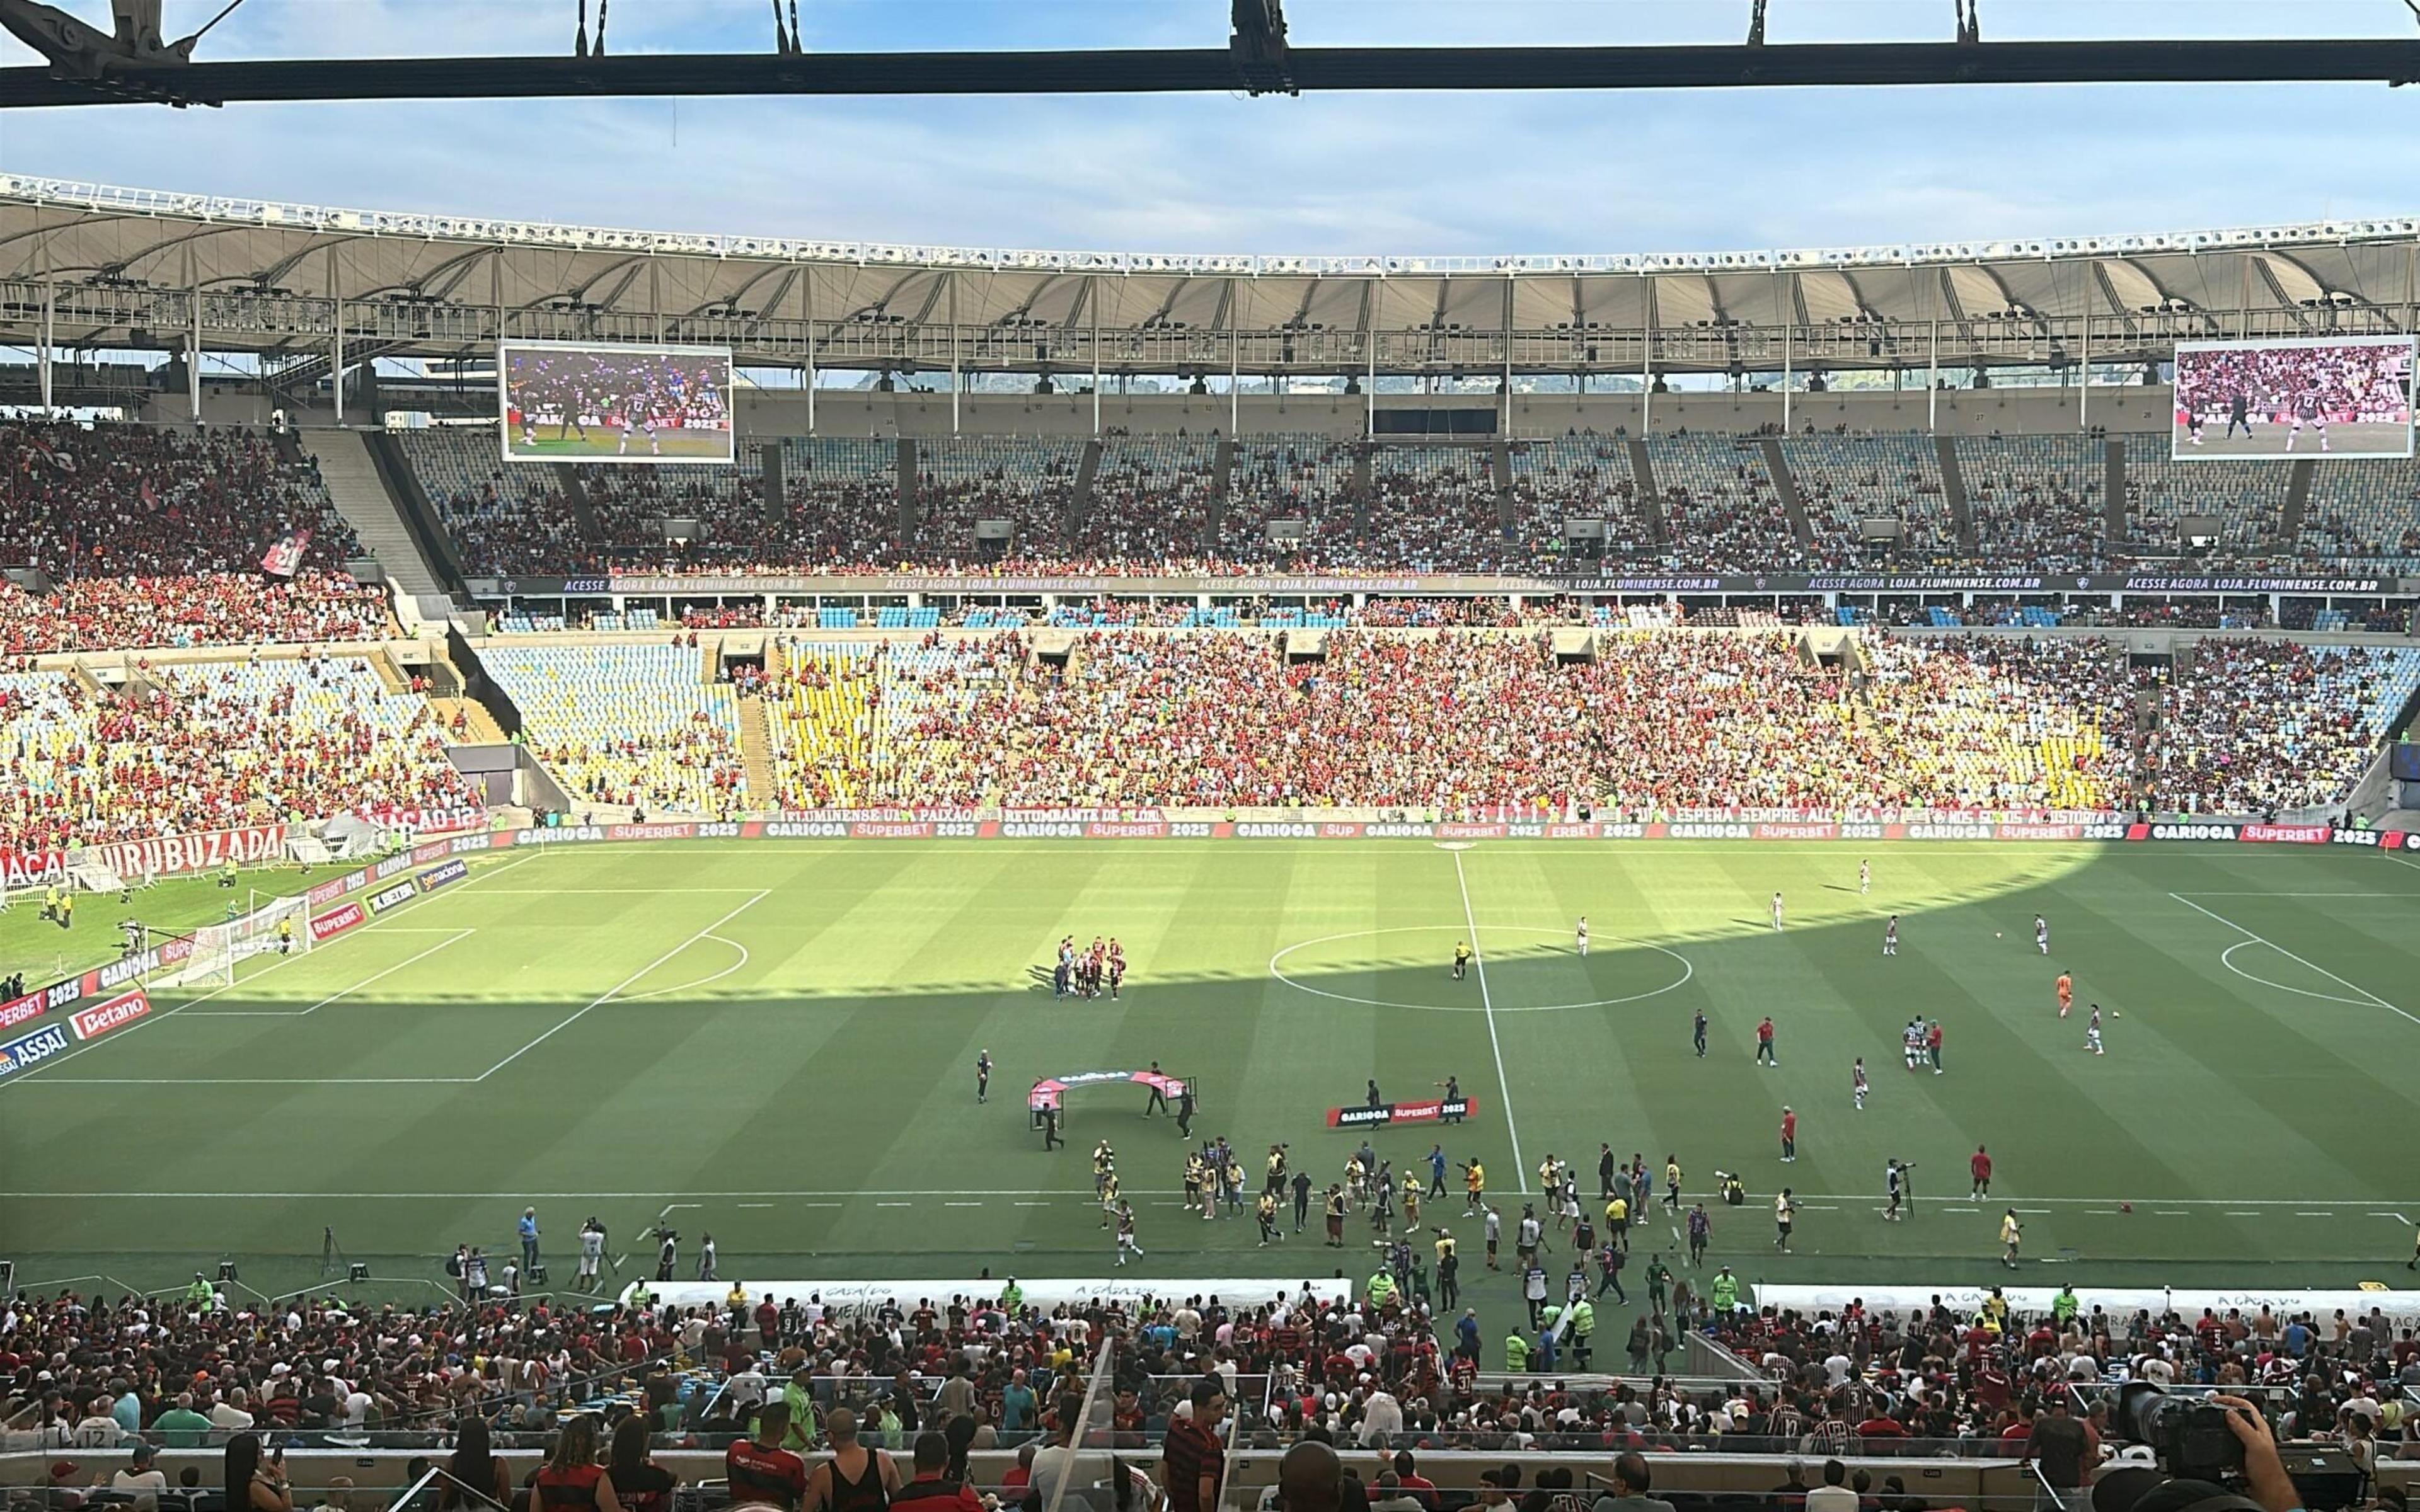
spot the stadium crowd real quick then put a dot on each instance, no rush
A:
(153, 536)
(1379, 1371)
(1654, 722)
(2262, 726)
(211, 747)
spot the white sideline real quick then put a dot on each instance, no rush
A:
(26, 1076)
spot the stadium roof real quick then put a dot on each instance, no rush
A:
(104, 262)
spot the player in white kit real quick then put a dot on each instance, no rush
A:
(1776, 910)
(2041, 934)
(1583, 934)
(2092, 1032)
(1857, 1083)
(1865, 877)
(1890, 936)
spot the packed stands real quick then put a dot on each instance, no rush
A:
(631, 506)
(1285, 476)
(155, 500)
(1579, 476)
(636, 726)
(2270, 726)
(2036, 500)
(1659, 720)
(153, 536)
(2248, 497)
(209, 608)
(211, 746)
(1028, 483)
(1720, 505)
(504, 519)
(841, 497)
(2008, 722)
(856, 724)
(1151, 498)
(1431, 509)
(1844, 479)
(2364, 510)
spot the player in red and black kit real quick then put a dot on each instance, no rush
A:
(1117, 966)
(1979, 1167)
(759, 1469)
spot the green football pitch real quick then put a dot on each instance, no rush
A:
(775, 1042)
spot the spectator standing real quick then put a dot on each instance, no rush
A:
(760, 1470)
(475, 1475)
(254, 1483)
(930, 1486)
(571, 1478)
(1193, 1455)
(857, 1478)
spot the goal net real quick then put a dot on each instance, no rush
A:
(281, 926)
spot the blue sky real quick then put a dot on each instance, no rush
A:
(1338, 174)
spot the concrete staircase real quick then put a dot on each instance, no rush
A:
(390, 676)
(2113, 490)
(1222, 479)
(1792, 505)
(1651, 498)
(756, 750)
(2298, 499)
(575, 493)
(478, 727)
(360, 495)
(1954, 493)
(1499, 471)
(1080, 499)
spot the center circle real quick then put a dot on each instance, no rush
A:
(1277, 969)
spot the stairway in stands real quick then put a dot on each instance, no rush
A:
(477, 726)
(756, 736)
(360, 495)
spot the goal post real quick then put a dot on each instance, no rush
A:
(281, 925)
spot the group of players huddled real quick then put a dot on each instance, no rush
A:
(1083, 972)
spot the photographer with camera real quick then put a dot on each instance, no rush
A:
(2195, 1457)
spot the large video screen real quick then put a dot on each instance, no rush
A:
(2328, 396)
(567, 402)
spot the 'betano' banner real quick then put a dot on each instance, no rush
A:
(100, 1019)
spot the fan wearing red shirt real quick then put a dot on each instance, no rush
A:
(929, 1488)
(759, 1469)
(1408, 1477)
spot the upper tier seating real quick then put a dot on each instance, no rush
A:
(2036, 500)
(1845, 479)
(1720, 504)
(505, 518)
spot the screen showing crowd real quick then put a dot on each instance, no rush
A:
(2331, 397)
(563, 402)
